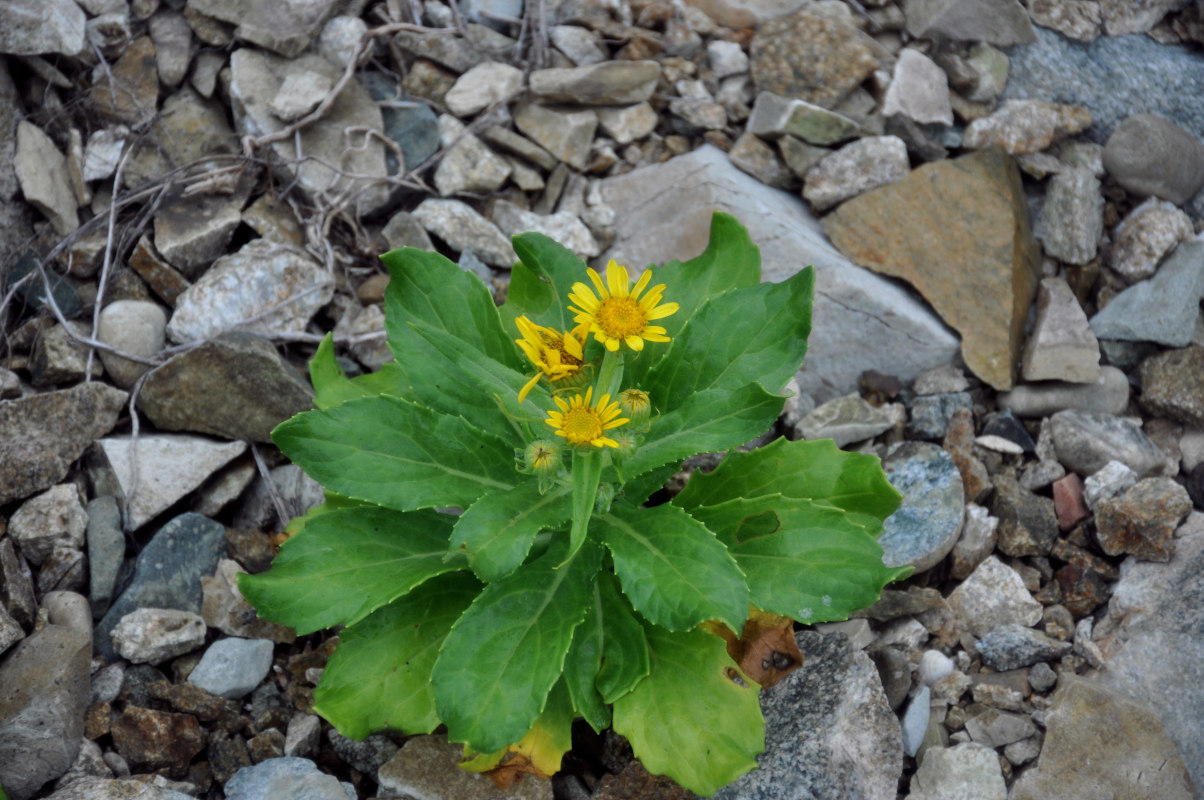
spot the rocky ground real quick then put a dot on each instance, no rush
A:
(1002, 203)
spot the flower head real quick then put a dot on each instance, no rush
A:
(583, 424)
(557, 355)
(617, 314)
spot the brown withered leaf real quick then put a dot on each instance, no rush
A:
(765, 650)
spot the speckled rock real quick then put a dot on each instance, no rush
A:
(1072, 219)
(1015, 646)
(1027, 522)
(468, 165)
(927, 524)
(284, 779)
(1146, 236)
(30, 27)
(153, 740)
(1000, 22)
(979, 535)
(1026, 126)
(1150, 155)
(774, 115)
(609, 83)
(463, 228)
(993, 595)
(54, 518)
(154, 635)
(286, 28)
(1172, 385)
(931, 414)
(1163, 309)
(1142, 521)
(967, 771)
(856, 168)
(1085, 442)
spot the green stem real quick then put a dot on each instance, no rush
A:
(587, 474)
(610, 375)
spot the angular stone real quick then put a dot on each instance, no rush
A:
(958, 231)
(993, 595)
(300, 778)
(403, 230)
(283, 26)
(16, 585)
(58, 358)
(610, 83)
(811, 56)
(300, 93)
(161, 277)
(42, 172)
(1085, 442)
(919, 90)
(106, 550)
(463, 228)
(1163, 309)
(1172, 384)
(1069, 505)
(1027, 523)
(1026, 126)
(692, 115)
(1100, 742)
(925, 527)
(750, 154)
(1142, 521)
(829, 730)
(154, 635)
(1061, 345)
(156, 472)
(967, 770)
(999, 22)
(136, 327)
(977, 540)
(187, 129)
(129, 90)
(190, 232)
(42, 702)
(172, 38)
(1108, 395)
(42, 434)
(1151, 155)
(664, 213)
(256, 78)
(32, 27)
(273, 219)
(520, 145)
(933, 414)
(563, 226)
(579, 44)
(152, 740)
(232, 668)
(1074, 19)
(995, 728)
(1146, 236)
(339, 39)
(427, 766)
(774, 115)
(91, 787)
(863, 165)
(225, 608)
(845, 420)
(263, 288)
(54, 518)
(468, 165)
(566, 134)
(626, 124)
(1107, 482)
(235, 386)
(1015, 646)
(1072, 219)
(482, 86)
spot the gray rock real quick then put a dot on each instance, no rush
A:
(1061, 345)
(750, 154)
(170, 32)
(457, 53)
(367, 755)
(16, 586)
(235, 386)
(428, 766)
(300, 93)
(626, 124)
(995, 728)
(10, 631)
(283, 26)
(151, 473)
(1026, 126)
(54, 518)
(844, 420)
(339, 38)
(967, 771)
(297, 491)
(931, 413)
(694, 115)
(1015, 646)
(403, 230)
(1072, 219)
(918, 91)
(226, 609)
(566, 134)
(42, 171)
(304, 736)
(137, 327)
(1172, 383)
(57, 357)
(480, 87)
(42, 434)
(978, 538)
(187, 129)
(1107, 482)
(233, 667)
(1150, 155)
(167, 573)
(1142, 520)
(463, 228)
(468, 165)
(993, 595)
(1000, 22)
(1108, 395)
(31, 27)
(774, 116)
(256, 78)
(1027, 523)
(914, 722)
(106, 550)
(1163, 309)
(92, 787)
(563, 226)
(45, 680)
(611, 83)
(925, 527)
(855, 168)
(799, 156)
(580, 44)
(829, 730)
(664, 213)
(284, 779)
(240, 290)
(1101, 742)
(1146, 236)
(726, 58)
(1085, 442)
(154, 635)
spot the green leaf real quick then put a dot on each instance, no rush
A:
(497, 530)
(642, 486)
(806, 470)
(624, 648)
(346, 564)
(716, 419)
(689, 719)
(581, 667)
(380, 675)
(752, 335)
(541, 281)
(332, 387)
(504, 655)
(810, 561)
(673, 570)
(334, 502)
(395, 453)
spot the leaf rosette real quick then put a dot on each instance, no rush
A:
(493, 540)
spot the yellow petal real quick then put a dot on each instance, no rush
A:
(660, 312)
(597, 279)
(616, 278)
(641, 283)
(635, 343)
(522, 395)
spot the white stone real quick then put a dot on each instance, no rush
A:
(999, 444)
(263, 288)
(915, 720)
(992, 595)
(54, 518)
(468, 165)
(339, 38)
(1106, 483)
(845, 420)
(726, 58)
(299, 94)
(42, 172)
(232, 668)
(137, 327)
(1191, 449)
(154, 635)
(934, 665)
(563, 226)
(968, 771)
(482, 86)
(459, 225)
(1146, 236)
(160, 469)
(579, 44)
(103, 152)
(919, 90)
(855, 168)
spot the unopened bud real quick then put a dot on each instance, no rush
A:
(636, 406)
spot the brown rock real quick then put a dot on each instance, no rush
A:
(637, 783)
(187, 698)
(957, 231)
(153, 740)
(810, 56)
(1069, 505)
(97, 720)
(130, 91)
(1173, 385)
(1142, 521)
(161, 277)
(959, 444)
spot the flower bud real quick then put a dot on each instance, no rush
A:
(636, 406)
(543, 458)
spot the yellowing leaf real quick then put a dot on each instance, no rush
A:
(538, 753)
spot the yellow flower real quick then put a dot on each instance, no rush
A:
(617, 314)
(558, 355)
(581, 423)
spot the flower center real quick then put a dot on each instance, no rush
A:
(620, 317)
(581, 424)
(566, 357)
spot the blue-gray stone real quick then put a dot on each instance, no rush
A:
(1161, 309)
(926, 526)
(915, 721)
(1086, 442)
(930, 414)
(287, 778)
(33, 291)
(1015, 646)
(829, 732)
(367, 755)
(1006, 425)
(232, 668)
(1114, 77)
(415, 129)
(168, 572)
(106, 550)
